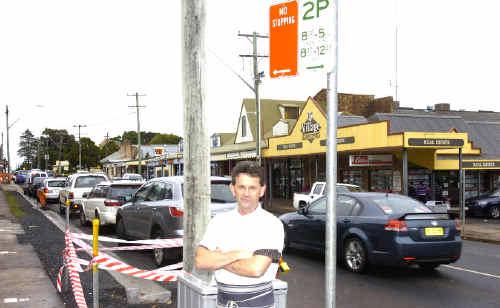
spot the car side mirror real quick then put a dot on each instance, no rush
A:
(85, 195)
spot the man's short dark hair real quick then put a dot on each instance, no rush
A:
(249, 167)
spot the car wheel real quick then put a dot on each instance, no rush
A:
(428, 266)
(495, 212)
(83, 219)
(159, 254)
(355, 255)
(120, 229)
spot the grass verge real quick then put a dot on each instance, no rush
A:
(14, 207)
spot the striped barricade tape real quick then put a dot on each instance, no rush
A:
(72, 267)
(172, 242)
(109, 263)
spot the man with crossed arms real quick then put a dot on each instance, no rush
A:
(243, 246)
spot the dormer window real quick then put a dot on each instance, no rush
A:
(243, 126)
(291, 112)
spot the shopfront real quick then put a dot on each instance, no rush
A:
(373, 157)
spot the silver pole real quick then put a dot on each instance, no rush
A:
(331, 174)
(7, 126)
(461, 186)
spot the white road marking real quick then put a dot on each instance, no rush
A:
(471, 271)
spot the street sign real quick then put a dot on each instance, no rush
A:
(283, 37)
(316, 35)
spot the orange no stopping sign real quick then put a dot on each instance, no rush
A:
(283, 39)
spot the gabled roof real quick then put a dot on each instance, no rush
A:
(270, 114)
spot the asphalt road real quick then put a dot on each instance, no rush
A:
(474, 281)
(448, 286)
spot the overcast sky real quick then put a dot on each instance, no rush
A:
(64, 63)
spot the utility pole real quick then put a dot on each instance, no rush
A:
(79, 145)
(139, 152)
(7, 125)
(60, 154)
(256, 78)
(196, 146)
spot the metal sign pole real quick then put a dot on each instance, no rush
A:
(331, 174)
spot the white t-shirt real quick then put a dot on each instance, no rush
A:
(233, 231)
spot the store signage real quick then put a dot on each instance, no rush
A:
(310, 128)
(158, 151)
(428, 142)
(342, 140)
(481, 164)
(289, 146)
(370, 160)
(245, 154)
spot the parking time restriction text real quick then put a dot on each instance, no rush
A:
(316, 26)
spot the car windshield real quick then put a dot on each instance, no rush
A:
(88, 181)
(122, 190)
(220, 192)
(56, 183)
(392, 204)
(133, 177)
(348, 188)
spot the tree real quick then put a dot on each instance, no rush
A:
(59, 145)
(132, 137)
(108, 148)
(165, 139)
(90, 152)
(28, 147)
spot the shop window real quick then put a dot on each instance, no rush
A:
(352, 177)
(381, 180)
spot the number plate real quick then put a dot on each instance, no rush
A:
(433, 231)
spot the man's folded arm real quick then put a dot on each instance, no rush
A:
(257, 265)
(215, 259)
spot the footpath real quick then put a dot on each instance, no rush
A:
(23, 280)
(484, 230)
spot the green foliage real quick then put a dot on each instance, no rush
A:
(28, 146)
(132, 137)
(165, 139)
(109, 148)
(14, 207)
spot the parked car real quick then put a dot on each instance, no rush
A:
(49, 191)
(319, 189)
(104, 200)
(377, 229)
(156, 211)
(132, 177)
(487, 205)
(77, 184)
(20, 176)
(30, 179)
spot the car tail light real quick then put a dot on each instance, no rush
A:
(409, 258)
(46, 190)
(71, 195)
(458, 225)
(112, 203)
(396, 225)
(175, 212)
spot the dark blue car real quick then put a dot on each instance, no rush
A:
(377, 229)
(487, 205)
(20, 176)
